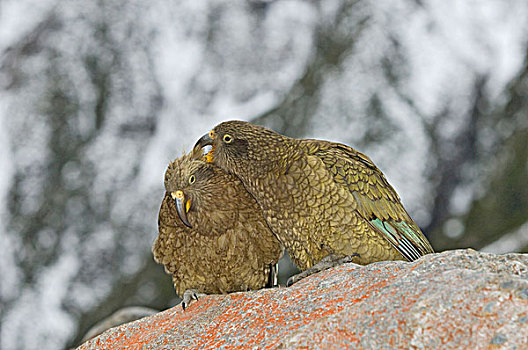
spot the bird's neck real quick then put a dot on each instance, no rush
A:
(274, 160)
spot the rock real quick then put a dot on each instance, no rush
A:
(456, 299)
(119, 317)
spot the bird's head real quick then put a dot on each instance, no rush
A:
(242, 148)
(188, 181)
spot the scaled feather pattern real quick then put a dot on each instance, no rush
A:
(229, 246)
(320, 198)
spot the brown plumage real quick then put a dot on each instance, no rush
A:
(228, 247)
(320, 198)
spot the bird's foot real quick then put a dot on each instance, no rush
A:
(325, 263)
(188, 296)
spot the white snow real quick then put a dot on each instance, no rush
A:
(38, 313)
(18, 17)
(509, 243)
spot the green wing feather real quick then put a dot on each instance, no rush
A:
(378, 203)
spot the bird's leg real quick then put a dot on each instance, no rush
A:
(188, 296)
(327, 262)
(273, 276)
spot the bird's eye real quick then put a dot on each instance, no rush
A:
(192, 179)
(228, 138)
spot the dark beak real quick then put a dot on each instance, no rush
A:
(205, 140)
(182, 206)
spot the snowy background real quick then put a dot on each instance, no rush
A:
(96, 98)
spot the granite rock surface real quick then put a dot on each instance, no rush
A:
(450, 300)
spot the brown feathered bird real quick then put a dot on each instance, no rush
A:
(212, 237)
(324, 200)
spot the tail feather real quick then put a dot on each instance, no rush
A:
(404, 237)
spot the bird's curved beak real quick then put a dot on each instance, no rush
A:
(205, 140)
(182, 206)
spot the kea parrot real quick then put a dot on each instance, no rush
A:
(213, 237)
(326, 202)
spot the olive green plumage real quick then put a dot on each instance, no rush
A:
(229, 247)
(318, 197)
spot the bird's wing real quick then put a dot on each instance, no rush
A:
(378, 203)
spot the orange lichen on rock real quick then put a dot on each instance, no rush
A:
(456, 299)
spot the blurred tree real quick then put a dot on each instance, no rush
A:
(453, 154)
(293, 115)
(501, 206)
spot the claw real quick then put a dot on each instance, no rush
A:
(292, 280)
(325, 263)
(188, 296)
